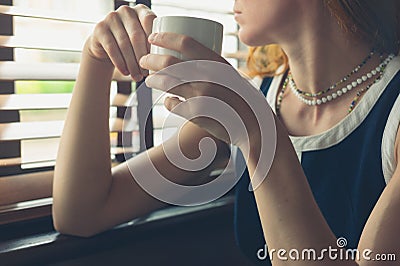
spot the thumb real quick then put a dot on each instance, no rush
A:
(171, 102)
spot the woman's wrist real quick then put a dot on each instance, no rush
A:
(88, 54)
(283, 155)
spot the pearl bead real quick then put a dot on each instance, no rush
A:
(303, 96)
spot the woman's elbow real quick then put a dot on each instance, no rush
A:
(73, 225)
(73, 229)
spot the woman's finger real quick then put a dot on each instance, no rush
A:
(171, 102)
(110, 46)
(169, 84)
(187, 46)
(124, 43)
(183, 109)
(136, 34)
(146, 17)
(155, 62)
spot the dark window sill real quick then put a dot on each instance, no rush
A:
(174, 233)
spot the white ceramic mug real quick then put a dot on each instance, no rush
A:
(205, 31)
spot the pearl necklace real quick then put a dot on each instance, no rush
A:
(344, 79)
(381, 67)
(339, 92)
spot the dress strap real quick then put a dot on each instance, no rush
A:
(389, 140)
(265, 85)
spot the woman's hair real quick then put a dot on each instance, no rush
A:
(374, 21)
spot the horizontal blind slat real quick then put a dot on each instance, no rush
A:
(49, 129)
(39, 185)
(123, 100)
(49, 101)
(122, 150)
(34, 101)
(240, 55)
(43, 14)
(39, 44)
(10, 162)
(234, 34)
(30, 130)
(44, 71)
(18, 162)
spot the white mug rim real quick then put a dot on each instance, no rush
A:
(189, 17)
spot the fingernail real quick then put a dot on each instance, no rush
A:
(152, 37)
(141, 60)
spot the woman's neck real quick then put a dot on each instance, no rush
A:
(322, 54)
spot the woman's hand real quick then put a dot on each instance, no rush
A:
(120, 39)
(227, 112)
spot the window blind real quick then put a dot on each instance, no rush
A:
(40, 45)
(40, 48)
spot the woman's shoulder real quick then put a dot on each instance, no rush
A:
(391, 134)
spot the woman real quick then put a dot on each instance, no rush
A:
(334, 96)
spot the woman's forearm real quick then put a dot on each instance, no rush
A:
(82, 176)
(289, 215)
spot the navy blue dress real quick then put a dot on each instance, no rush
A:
(344, 171)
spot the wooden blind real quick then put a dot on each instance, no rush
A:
(14, 131)
(35, 94)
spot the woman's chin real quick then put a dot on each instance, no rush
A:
(248, 38)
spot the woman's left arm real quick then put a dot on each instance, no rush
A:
(381, 232)
(291, 218)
